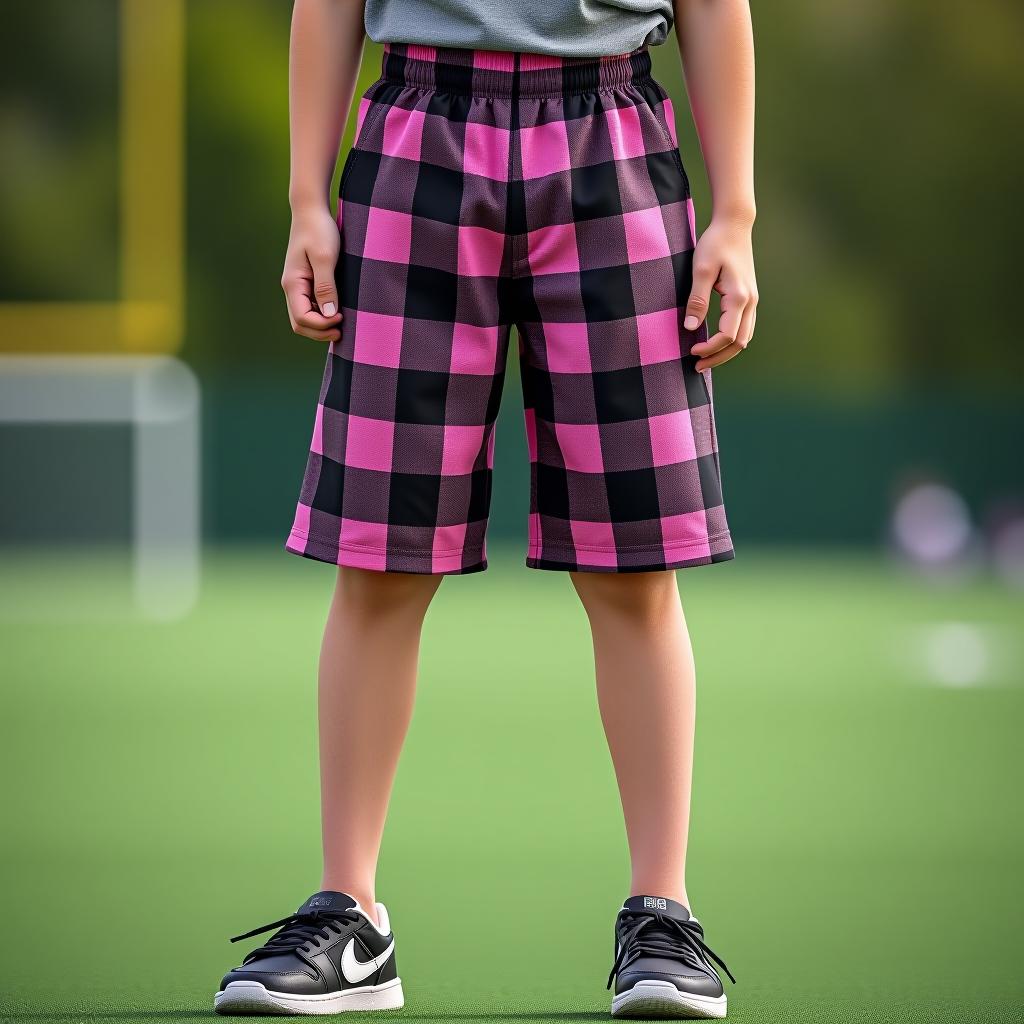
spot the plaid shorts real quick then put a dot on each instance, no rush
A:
(489, 189)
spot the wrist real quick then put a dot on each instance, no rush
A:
(308, 200)
(738, 213)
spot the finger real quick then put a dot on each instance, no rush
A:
(301, 309)
(333, 334)
(734, 305)
(325, 291)
(697, 305)
(746, 330)
(720, 357)
(729, 335)
(714, 344)
(306, 332)
(296, 294)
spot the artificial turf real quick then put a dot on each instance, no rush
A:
(856, 842)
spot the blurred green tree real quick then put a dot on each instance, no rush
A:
(887, 172)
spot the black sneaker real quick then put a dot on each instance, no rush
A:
(662, 966)
(328, 957)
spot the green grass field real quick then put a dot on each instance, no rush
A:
(857, 836)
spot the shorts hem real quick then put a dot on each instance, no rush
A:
(565, 559)
(381, 559)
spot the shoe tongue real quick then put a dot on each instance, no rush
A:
(658, 904)
(328, 901)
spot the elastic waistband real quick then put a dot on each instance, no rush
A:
(504, 73)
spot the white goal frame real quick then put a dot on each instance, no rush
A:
(158, 398)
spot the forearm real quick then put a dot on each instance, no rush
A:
(325, 51)
(717, 49)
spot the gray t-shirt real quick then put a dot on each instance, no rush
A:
(565, 28)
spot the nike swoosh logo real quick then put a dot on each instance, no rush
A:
(355, 970)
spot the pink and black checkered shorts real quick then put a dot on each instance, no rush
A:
(485, 190)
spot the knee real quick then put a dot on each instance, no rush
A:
(634, 597)
(379, 595)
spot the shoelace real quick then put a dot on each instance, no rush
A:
(297, 930)
(654, 934)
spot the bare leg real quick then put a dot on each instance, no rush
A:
(647, 696)
(367, 685)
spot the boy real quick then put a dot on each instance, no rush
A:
(513, 164)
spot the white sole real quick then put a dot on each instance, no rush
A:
(253, 998)
(660, 1000)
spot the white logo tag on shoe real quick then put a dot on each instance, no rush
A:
(655, 903)
(356, 970)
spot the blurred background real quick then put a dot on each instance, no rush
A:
(856, 839)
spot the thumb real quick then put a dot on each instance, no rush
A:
(325, 291)
(700, 297)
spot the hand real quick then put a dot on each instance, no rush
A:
(724, 261)
(308, 279)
